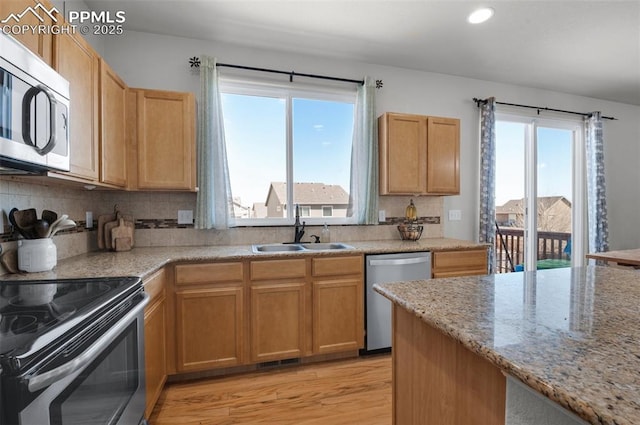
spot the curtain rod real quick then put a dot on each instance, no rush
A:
(194, 62)
(540, 108)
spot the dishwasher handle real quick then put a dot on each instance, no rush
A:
(399, 261)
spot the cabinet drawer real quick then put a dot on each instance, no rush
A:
(460, 260)
(154, 286)
(278, 269)
(333, 266)
(208, 273)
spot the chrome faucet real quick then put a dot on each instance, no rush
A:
(298, 230)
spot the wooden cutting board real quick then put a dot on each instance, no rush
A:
(102, 221)
(122, 236)
(105, 241)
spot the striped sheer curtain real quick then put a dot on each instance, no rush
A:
(363, 193)
(214, 204)
(488, 178)
(596, 193)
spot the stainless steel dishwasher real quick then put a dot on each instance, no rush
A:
(386, 268)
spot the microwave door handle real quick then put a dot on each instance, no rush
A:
(26, 118)
(45, 379)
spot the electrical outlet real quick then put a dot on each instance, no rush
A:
(382, 216)
(185, 216)
(455, 215)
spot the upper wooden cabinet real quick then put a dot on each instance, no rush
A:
(39, 43)
(419, 155)
(77, 62)
(164, 140)
(113, 146)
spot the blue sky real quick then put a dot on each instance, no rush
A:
(255, 131)
(554, 161)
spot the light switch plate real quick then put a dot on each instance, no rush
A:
(185, 216)
(455, 215)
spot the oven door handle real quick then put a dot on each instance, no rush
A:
(43, 380)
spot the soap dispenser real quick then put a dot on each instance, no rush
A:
(325, 234)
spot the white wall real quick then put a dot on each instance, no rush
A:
(155, 61)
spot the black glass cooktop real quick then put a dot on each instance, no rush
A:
(37, 314)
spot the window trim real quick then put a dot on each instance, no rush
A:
(267, 88)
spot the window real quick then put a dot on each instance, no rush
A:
(288, 145)
(539, 191)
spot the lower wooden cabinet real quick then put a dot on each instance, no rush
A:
(459, 263)
(277, 321)
(209, 328)
(155, 340)
(338, 304)
(278, 308)
(234, 313)
(210, 315)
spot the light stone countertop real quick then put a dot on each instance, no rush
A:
(142, 262)
(571, 334)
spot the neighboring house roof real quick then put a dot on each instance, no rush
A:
(516, 206)
(310, 193)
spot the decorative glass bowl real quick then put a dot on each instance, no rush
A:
(410, 232)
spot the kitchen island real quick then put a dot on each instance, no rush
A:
(571, 335)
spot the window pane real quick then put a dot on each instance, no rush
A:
(255, 132)
(322, 133)
(554, 196)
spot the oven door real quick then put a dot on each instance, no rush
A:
(103, 385)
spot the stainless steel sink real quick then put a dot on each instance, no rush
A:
(282, 247)
(327, 246)
(278, 247)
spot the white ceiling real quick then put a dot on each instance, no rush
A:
(583, 47)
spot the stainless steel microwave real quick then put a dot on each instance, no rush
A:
(34, 112)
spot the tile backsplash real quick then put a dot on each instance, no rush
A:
(156, 213)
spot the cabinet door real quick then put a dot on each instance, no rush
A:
(113, 148)
(459, 263)
(209, 328)
(40, 44)
(166, 140)
(155, 352)
(338, 315)
(403, 154)
(76, 61)
(277, 321)
(443, 156)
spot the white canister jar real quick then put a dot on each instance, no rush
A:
(37, 255)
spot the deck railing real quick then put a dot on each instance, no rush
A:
(551, 245)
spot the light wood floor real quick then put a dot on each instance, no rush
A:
(345, 392)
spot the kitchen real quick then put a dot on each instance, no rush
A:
(136, 56)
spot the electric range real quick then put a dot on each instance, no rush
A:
(65, 345)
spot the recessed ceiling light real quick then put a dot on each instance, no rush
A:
(480, 15)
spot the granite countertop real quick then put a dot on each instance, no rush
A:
(143, 262)
(571, 334)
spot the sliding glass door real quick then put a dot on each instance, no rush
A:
(539, 192)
